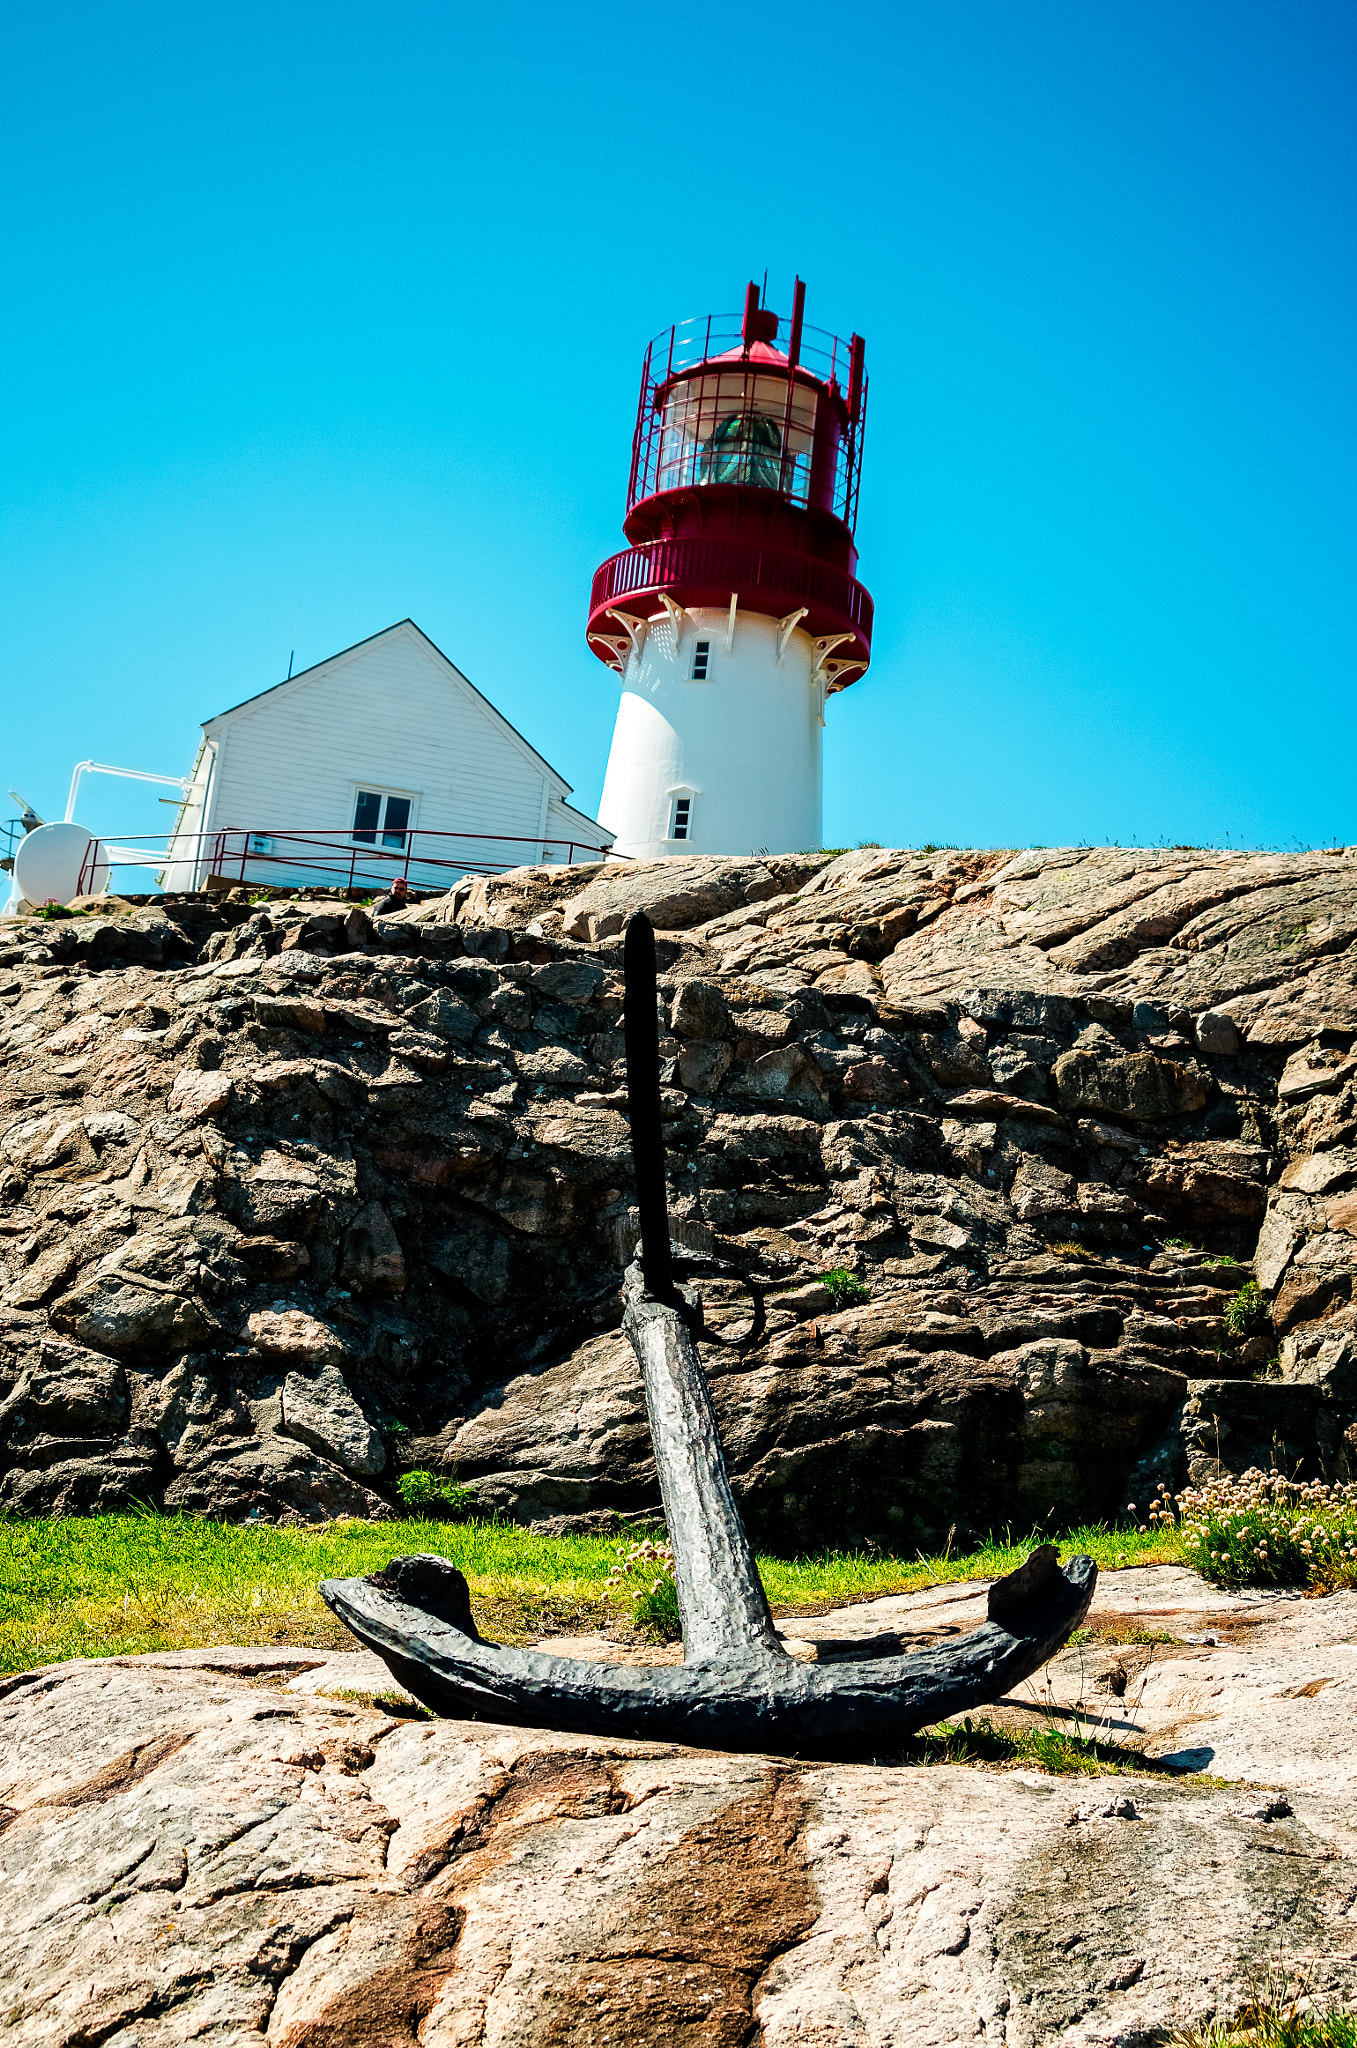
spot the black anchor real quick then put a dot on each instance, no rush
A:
(736, 1688)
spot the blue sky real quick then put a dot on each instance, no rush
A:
(334, 315)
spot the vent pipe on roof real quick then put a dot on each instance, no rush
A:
(857, 349)
(798, 313)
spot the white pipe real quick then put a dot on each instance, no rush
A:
(129, 856)
(131, 774)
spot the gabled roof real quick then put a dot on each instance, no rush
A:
(303, 675)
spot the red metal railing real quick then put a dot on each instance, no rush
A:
(343, 859)
(708, 571)
(733, 565)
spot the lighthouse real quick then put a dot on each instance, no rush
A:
(736, 611)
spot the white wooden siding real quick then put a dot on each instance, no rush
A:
(564, 822)
(183, 866)
(390, 714)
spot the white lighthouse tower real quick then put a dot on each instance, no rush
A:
(735, 612)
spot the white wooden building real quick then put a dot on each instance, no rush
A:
(382, 760)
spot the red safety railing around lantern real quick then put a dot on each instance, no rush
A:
(713, 410)
(345, 858)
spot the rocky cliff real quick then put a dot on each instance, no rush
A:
(289, 1198)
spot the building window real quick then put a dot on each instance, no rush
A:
(683, 818)
(378, 814)
(701, 654)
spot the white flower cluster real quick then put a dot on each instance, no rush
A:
(641, 1558)
(1262, 1527)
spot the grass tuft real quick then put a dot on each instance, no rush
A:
(1049, 1749)
(436, 1498)
(644, 1575)
(1247, 1314)
(1257, 2028)
(1279, 2014)
(844, 1289)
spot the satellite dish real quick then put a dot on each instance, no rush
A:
(48, 865)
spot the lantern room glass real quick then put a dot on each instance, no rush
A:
(738, 427)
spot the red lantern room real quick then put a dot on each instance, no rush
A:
(744, 485)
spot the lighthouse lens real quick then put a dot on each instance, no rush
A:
(745, 449)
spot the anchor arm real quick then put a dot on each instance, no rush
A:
(841, 1709)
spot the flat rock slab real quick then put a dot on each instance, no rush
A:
(1263, 1690)
(218, 1846)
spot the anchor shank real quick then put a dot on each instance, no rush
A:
(721, 1599)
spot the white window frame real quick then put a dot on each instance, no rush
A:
(383, 790)
(677, 797)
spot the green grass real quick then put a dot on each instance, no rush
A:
(1273, 2023)
(657, 1612)
(1247, 1313)
(442, 1497)
(1049, 1749)
(117, 1585)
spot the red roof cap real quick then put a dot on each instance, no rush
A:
(757, 352)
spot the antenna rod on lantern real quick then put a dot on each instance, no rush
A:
(856, 349)
(751, 307)
(798, 313)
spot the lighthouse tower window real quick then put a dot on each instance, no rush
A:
(701, 655)
(683, 818)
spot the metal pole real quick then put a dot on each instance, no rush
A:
(641, 1031)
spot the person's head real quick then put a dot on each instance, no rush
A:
(400, 887)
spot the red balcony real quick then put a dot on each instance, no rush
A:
(709, 572)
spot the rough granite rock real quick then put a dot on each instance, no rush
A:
(678, 893)
(1069, 1098)
(320, 1411)
(226, 1845)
